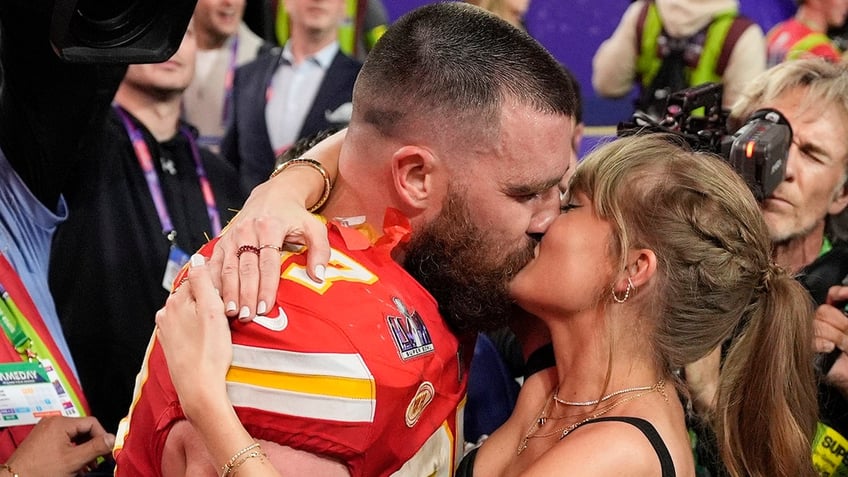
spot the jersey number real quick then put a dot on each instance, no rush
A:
(339, 268)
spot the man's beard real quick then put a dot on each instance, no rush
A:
(465, 269)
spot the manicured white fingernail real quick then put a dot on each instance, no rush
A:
(244, 312)
(231, 306)
(261, 308)
(198, 260)
(217, 292)
(319, 272)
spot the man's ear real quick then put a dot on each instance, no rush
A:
(641, 266)
(840, 199)
(413, 169)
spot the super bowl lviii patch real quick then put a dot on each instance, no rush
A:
(409, 332)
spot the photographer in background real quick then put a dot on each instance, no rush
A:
(662, 46)
(813, 96)
(49, 109)
(46, 107)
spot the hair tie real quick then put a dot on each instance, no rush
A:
(772, 272)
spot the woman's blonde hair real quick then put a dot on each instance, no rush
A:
(715, 280)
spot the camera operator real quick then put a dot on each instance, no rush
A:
(813, 96)
(50, 109)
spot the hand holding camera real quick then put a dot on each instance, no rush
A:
(831, 328)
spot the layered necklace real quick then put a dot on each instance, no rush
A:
(544, 416)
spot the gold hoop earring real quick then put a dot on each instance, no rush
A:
(626, 292)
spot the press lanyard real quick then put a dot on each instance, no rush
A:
(145, 160)
(10, 317)
(36, 353)
(229, 79)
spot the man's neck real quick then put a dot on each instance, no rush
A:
(347, 201)
(160, 116)
(306, 43)
(814, 19)
(209, 41)
(797, 253)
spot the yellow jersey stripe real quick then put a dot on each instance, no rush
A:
(307, 384)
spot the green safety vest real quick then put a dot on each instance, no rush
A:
(807, 43)
(710, 65)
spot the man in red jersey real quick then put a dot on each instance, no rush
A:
(462, 128)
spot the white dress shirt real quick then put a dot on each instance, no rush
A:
(291, 93)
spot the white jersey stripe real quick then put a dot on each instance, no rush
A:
(303, 405)
(342, 365)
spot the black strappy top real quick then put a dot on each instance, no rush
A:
(466, 466)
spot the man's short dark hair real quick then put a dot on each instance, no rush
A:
(455, 62)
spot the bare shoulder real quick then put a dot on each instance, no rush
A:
(613, 448)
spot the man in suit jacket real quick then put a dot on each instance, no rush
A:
(292, 92)
(224, 42)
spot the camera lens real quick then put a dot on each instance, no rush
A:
(105, 24)
(103, 12)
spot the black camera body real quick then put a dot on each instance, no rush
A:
(118, 31)
(757, 151)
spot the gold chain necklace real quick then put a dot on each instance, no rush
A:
(564, 431)
(602, 399)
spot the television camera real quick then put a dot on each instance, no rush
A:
(757, 151)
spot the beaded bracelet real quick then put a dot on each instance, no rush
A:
(230, 465)
(245, 458)
(9, 468)
(328, 186)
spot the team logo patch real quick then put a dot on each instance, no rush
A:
(409, 333)
(273, 323)
(423, 397)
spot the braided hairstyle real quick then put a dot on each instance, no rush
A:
(715, 279)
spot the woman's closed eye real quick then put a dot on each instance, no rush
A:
(564, 208)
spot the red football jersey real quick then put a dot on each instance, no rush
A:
(360, 368)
